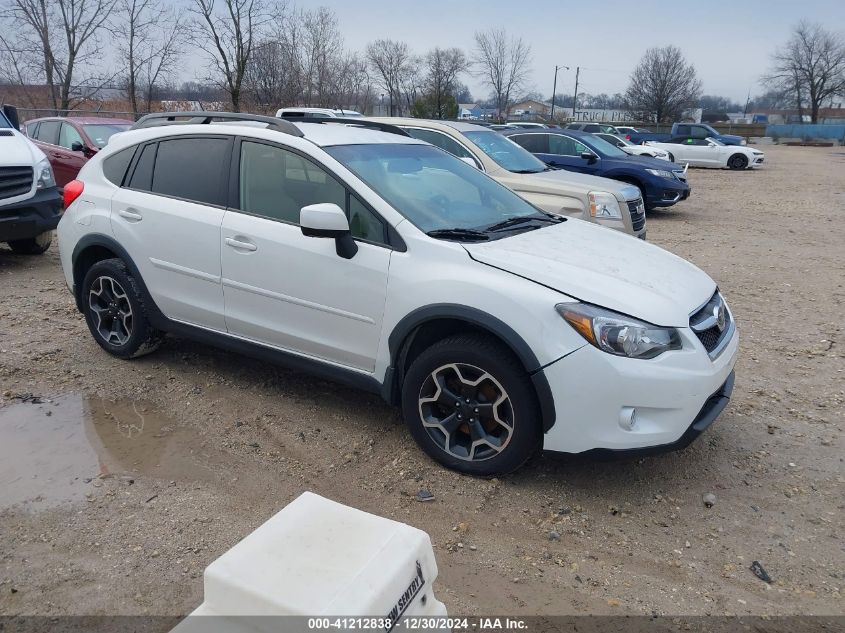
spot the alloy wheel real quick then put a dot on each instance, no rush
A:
(109, 304)
(466, 412)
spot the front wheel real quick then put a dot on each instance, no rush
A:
(470, 405)
(738, 161)
(33, 245)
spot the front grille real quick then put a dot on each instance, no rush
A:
(712, 324)
(15, 181)
(637, 210)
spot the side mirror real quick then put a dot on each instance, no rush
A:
(469, 161)
(77, 146)
(328, 220)
(588, 156)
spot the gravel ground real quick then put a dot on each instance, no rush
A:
(128, 478)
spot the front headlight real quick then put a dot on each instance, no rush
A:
(44, 175)
(661, 173)
(604, 205)
(618, 334)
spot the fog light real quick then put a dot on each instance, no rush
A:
(628, 418)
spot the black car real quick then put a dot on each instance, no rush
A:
(661, 183)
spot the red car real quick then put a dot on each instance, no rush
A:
(70, 142)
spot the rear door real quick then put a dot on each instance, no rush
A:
(47, 140)
(168, 216)
(295, 292)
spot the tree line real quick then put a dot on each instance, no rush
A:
(265, 54)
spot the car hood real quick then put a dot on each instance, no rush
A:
(605, 268)
(566, 182)
(16, 149)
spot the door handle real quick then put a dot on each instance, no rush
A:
(130, 214)
(240, 245)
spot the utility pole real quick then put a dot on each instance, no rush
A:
(554, 90)
(575, 98)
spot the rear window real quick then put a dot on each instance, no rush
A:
(114, 167)
(192, 169)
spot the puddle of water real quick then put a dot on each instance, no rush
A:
(51, 452)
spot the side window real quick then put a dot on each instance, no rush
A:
(277, 183)
(142, 176)
(438, 139)
(564, 146)
(192, 169)
(592, 128)
(48, 132)
(364, 223)
(682, 130)
(114, 167)
(31, 130)
(68, 136)
(700, 132)
(534, 143)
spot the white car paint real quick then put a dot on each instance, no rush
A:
(17, 150)
(633, 149)
(294, 294)
(709, 153)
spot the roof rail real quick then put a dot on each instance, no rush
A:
(204, 118)
(360, 122)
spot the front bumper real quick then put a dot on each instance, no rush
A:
(667, 193)
(592, 390)
(31, 217)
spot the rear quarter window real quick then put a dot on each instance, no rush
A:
(193, 169)
(115, 166)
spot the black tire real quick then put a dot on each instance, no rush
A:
(476, 356)
(738, 161)
(110, 294)
(33, 245)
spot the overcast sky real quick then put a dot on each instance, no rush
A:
(728, 41)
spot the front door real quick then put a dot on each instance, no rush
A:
(565, 151)
(295, 292)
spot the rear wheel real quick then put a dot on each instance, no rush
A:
(115, 313)
(738, 161)
(470, 405)
(33, 245)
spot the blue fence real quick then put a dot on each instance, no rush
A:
(807, 131)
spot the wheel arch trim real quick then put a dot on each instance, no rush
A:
(403, 333)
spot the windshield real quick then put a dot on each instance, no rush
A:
(506, 153)
(100, 133)
(432, 188)
(603, 147)
(4, 122)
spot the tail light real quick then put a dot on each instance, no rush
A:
(72, 191)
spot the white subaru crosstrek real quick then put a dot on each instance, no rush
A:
(378, 260)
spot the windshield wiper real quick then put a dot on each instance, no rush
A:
(511, 222)
(460, 235)
(527, 171)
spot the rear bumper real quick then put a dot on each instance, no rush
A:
(24, 220)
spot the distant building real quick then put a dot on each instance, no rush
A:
(469, 111)
(530, 109)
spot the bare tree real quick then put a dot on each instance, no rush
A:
(395, 70)
(228, 32)
(811, 65)
(442, 68)
(61, 36)
(663, 84)
(148, 38)
(503, 64)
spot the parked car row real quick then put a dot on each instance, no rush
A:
(497, 325)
